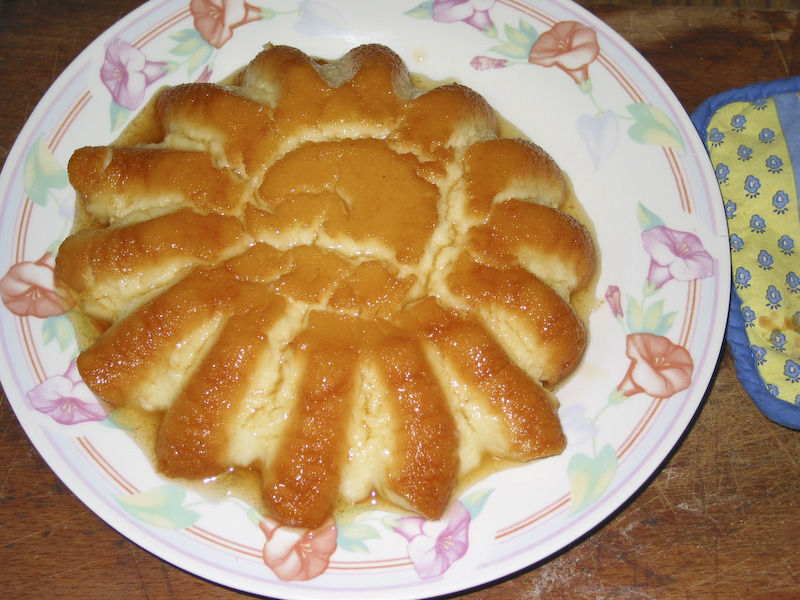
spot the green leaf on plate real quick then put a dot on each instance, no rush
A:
(524, 37)
(41, 172)
(655, 321)
(512, 50)
(253, 515)
(475, 501)
(352, 536)
(183, 35)
(647, 218)
(189, 42)
(58, 329)
(634, 315)
(170, 66)
(590, 476)
(421, 11)
(160, 507)
(617, 397)
(118, 115)
(653, 126)
(199, 58)
(389, 521)
(529, 31)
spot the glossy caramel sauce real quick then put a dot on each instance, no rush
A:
(331, 282)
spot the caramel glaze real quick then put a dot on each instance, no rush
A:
(397, 206)
(113, 267)
(559, 333)
(302, 485)
(520, 169)
(300, 271)
(119, 181)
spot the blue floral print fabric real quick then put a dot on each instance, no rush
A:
(752, 135)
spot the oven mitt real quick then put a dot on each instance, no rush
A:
(752, 135)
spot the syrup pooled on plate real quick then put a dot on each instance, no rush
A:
(325, 276)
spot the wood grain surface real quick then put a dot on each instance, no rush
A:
(721, 519)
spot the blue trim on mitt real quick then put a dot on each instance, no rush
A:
(788, 107)
(702, 116)
(780, 411)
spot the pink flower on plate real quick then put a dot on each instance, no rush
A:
(658, 367)
(484, 63)
(570, 46)
(28, 289)
(215, 20)
(126, 73)
(614, 299)
(67, 398)
(295, 554)
(675, 255)
(433, 546)
(472, 12)
(205, 75)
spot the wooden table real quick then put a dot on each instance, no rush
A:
(720, 520)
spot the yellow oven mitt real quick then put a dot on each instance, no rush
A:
(752, 136)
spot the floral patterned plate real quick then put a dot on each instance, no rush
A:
(569, 83)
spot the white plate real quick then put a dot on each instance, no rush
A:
(638, 168)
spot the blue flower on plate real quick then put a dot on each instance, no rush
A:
(766, 136)
(786, 244)
(600, 134)
(793, 282)
(778, 340)
(774, 164)
(730, 209)
(759, 354)
(759, 104)
(792, 371)
(742, 278)
(722, 171)
(744, 153)
(757, 224)
(716, 137)
(774, 298)
(773, 390)
(738, 122)
(765, 260)
(779, 201)
(751, 186)
(737, 243)
(749, 316)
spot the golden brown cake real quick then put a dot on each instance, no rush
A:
(355, 288)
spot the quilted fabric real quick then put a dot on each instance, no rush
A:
(752, 136)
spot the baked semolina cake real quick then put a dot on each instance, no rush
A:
(354, 288)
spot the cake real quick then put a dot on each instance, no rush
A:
(320, 273)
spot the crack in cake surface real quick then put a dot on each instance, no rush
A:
(350, 285)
